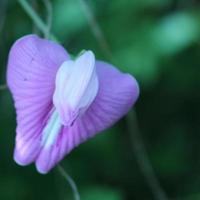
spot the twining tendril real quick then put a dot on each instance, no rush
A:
(142, 158)
(48, 6)
(96, 29)
(71, 182)
(44, 28)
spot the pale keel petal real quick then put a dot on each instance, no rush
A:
(76, 87)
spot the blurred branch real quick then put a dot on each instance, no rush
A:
(138, 145)
(142, 157)
(49, 9)
(3, 87)
(96, 30)
(71, 182)
(36, 19)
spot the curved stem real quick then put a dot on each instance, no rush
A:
(49, 9)
(96, 30)
(142, 157)
(36, 19)
(71, 182)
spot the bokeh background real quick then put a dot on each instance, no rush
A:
(157, 41)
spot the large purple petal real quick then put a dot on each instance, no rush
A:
(32, 67)
(117, 94)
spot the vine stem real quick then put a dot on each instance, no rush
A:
(137, 142)
(49, 9)
(71, 182)
(96, 29)
(36, 19)
(142, 157)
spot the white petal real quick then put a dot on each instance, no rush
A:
(76, 87)
(51, 130)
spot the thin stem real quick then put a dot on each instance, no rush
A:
(96, 30)
(49, 9)
(36, 19)
(71, 182)
(34, 5)
(137, 142)
(3, 87)
(142, 157)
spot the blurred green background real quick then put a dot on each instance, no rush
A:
(158, 41)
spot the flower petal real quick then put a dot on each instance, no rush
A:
(32, 67)
(117, 94)
(76, 87)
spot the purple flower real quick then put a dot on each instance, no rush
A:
(61, 102)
